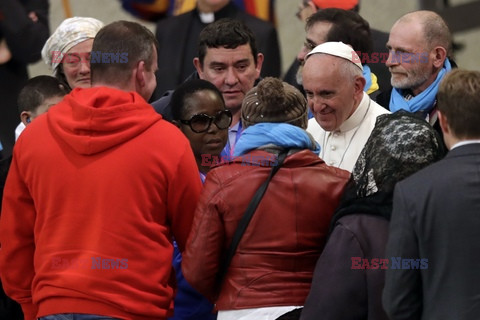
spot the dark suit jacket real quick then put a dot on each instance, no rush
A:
(436, 216)
(172, 33)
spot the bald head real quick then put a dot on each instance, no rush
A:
(434, 30)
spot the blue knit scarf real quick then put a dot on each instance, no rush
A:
(279, 134)
(422, 102)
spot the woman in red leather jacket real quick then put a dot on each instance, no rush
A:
(271, 271)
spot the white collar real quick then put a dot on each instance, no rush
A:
(357, 117)
(207, 17)
(463, 143)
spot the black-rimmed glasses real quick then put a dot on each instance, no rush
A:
(201, 122)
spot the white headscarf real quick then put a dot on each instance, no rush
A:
(69, 33)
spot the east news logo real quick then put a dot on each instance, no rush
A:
(359, 263)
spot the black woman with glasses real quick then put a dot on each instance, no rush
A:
(199, 112)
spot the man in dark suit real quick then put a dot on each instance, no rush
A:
(435, 220)
(178, 41)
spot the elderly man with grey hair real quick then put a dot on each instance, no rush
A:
(419, 44)
(344, 115)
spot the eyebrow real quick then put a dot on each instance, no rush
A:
(402, 49)
(217, 63)
(321, 92)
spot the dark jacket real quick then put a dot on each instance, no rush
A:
(172, 33)
(274, 262)
(25, 39)
(343, 287)
(436, 217)
(9, 309)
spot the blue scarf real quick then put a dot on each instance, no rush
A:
(422, 102)
(280, 134)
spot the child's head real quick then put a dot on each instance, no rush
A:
(38, 95)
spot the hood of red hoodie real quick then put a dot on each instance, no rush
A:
(96, 119)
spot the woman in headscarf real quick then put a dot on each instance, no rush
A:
(67, 51)
(350, 274)
(271, 270)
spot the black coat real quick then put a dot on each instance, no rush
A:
(25, 40)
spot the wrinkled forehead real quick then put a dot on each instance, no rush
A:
(82, 47)
(407, 35)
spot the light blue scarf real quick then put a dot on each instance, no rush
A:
(422, 102)
(280, 134)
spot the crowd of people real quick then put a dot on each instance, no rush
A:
(207, 187)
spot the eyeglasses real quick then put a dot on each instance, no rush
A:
(309, 46)
(201, 122)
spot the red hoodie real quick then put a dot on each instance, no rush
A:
(97, 188)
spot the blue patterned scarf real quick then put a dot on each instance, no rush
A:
(422, 102)
(280, 134)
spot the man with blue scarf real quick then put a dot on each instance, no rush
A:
(419, 44)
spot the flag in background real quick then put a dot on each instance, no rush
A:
(152, 10)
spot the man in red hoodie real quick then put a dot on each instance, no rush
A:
(97, 188)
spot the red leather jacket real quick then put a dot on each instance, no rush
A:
(274, 262)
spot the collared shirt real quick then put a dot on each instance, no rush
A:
(341, 148)
(233, 134)
(463, 143)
